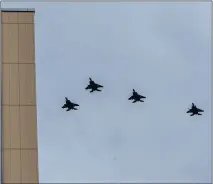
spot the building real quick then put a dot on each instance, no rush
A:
(19, 163)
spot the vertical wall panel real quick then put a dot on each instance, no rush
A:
(15, 169)
(5, 84)
(6, 163)
(10, 43)
(27, 84)
(14, 84)
(15, 135)
(28, 162)
(26, 43)
(28, 127)
(5, 126)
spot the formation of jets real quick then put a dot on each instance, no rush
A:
(136, 97)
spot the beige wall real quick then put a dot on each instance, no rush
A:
(19, 122)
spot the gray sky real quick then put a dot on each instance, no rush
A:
(162, 50)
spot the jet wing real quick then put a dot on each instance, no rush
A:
(99, 86)
(88, 87)
(189, 111)
(142, 96)
(200, 110)
(131, 98)
(68, 109)
(75, 104)
(64, 106)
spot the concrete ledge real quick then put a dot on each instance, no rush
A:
(18, 10)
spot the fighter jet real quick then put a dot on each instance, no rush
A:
(69, 105)
(194, 110)
(136, 97)
(93, 86)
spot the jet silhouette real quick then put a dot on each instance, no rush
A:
(194, 110)
(136, 97)
(69, 105)
(93, 86)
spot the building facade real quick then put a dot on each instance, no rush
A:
(19, 147)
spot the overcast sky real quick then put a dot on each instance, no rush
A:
(162, 50)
